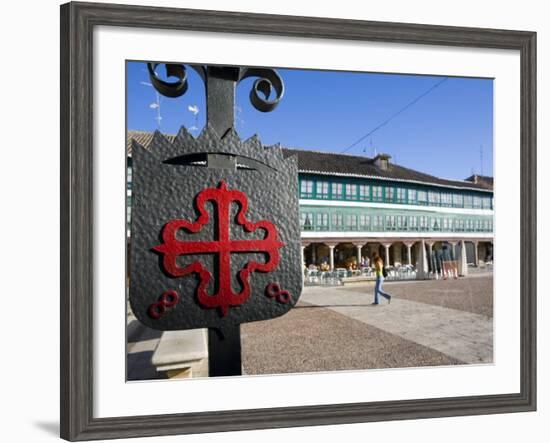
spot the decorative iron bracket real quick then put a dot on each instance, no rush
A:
(220, 83)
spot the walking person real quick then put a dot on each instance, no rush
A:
(379, 269)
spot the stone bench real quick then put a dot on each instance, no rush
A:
(182, 354)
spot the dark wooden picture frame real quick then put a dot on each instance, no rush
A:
(77, 24)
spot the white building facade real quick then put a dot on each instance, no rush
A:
(352, 207)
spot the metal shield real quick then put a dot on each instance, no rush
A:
(215, 235)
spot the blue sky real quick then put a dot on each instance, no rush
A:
(441, 134)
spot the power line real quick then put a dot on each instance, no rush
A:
(385, 122)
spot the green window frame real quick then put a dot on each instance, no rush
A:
(351, 222)
(364, 192)
(458, 200)
(401, 195)
(411, 196)
(337, 221)
(337, 191)
(434, 198)
(306, 221)
(306, 188)
(422, 197)
(477, 202)
(364, 222)
(360, 220)
(351, 191)
(377, 195)
(322, 189)
(401, 222)
(423, 222)
(389, 194)
(446, 199)
(322, 221)
(377, 223)
(390, 222)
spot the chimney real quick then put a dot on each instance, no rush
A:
(474, 178)
(382, 161)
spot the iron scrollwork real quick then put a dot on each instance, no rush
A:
(268, 81)
(175, 88)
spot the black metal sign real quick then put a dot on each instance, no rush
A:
(215, 237)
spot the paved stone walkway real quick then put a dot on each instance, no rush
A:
(428, 323)
(466, 336)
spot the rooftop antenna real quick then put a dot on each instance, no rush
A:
(194, 109)
(238, 118)
(155, 105)
(481, 158)
(373, 150)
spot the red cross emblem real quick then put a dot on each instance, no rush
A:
(223, 246)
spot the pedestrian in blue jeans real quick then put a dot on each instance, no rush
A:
(379, 266)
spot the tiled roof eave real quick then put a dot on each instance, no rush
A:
(144, 138)
(392, 179)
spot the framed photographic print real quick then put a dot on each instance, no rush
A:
(274, 221)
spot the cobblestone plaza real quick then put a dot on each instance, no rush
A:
(428, 323)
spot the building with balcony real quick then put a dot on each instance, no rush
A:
(353, 206)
